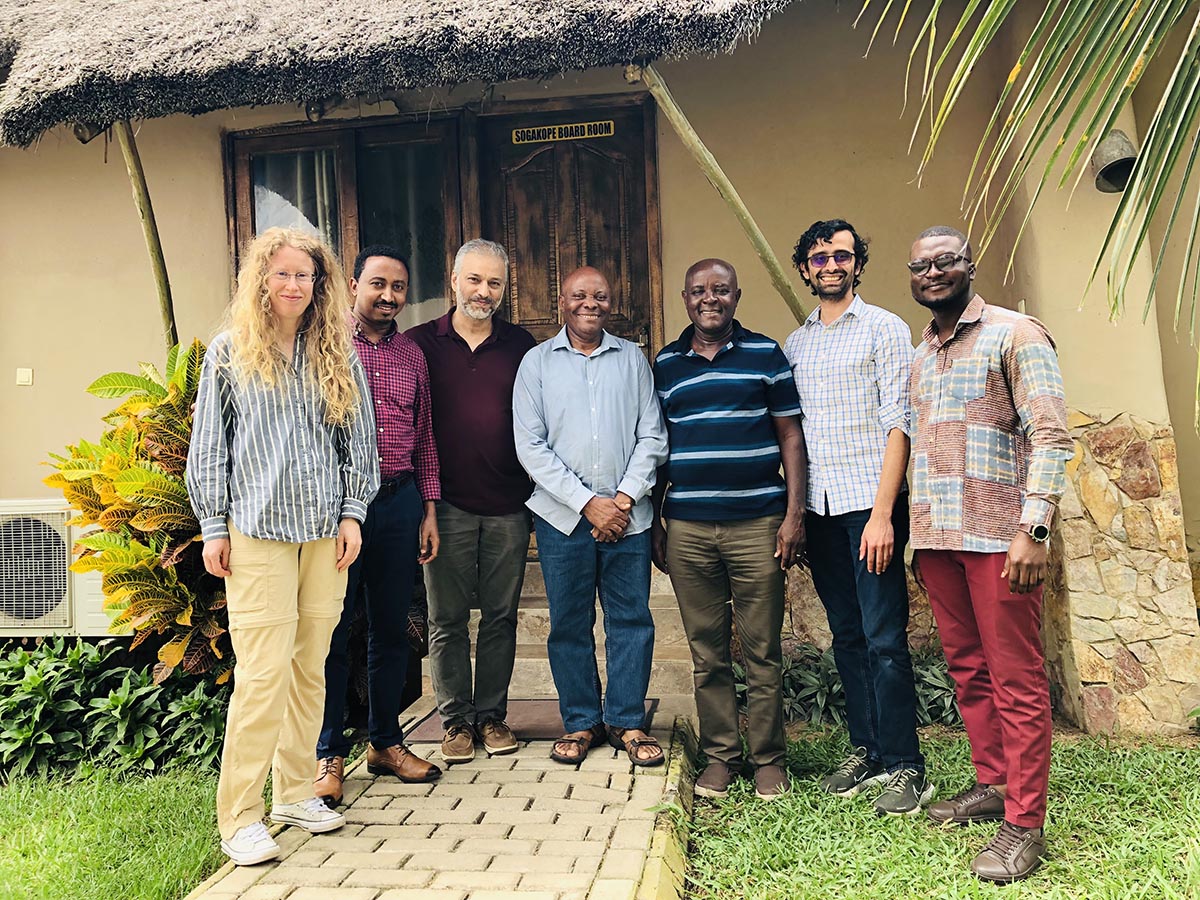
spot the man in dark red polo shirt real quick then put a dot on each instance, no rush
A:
(473, 359)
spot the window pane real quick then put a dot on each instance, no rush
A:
(400, 204)
(297, 190)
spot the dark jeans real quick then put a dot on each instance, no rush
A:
(481, 563)
(575, 567)
(868, 615)
(383, 573)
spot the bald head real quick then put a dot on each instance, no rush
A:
(725, 268)
(585, 273)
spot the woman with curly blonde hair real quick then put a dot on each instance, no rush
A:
(281, 467)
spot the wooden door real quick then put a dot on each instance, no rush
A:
(570, 187)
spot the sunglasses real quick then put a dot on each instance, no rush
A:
(944, 262)
(839, 257)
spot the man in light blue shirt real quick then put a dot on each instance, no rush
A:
(590, 433)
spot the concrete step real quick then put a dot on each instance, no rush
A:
(670, 672)
(534, 586)
(533, 623)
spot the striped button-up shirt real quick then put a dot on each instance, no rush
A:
(852, 377)
(399, 378)
(266, 458)
(588, 426)
(990, 439)
(725, 458)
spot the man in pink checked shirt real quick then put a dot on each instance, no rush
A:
(400, 531)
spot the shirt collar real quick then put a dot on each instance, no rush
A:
(685, 339)
(445, 328)
(561, 342)
(972, 314)
(359, 333)
(856, 308)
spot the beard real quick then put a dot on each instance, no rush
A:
(471, 311)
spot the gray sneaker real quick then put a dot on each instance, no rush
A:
(855, 774)
(906, 791)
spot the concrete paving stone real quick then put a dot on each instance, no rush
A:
(398, 789)
(265, 892)
(380, 859)
(304, 876)
(501, 846)
(458, 775)
(574, 776)
(573, 895)
(632, 811)
(621, 864)
(290, 840)
(549, 864)
(417, 845)
(305, 857)
(426, 750)
(443, 816)
(653, 772)
(362, 816)
(599, 794)
(602, 760)
(387, 878)
(512, 776)
(587, 865)
(619, 781)
(352, 790)
(494, 762)
(397, 831)
(599, 833)
(569, 805)
(543, 762)
(554, 881)
(572, 848)
(533, 789)
(445, 801)
(555, 832)
(475, 881)
(632, 834)
(612, 889)
(528, 817)
(647, 791)
(587, 819)
(239, 879)
(338, 893)
(336, 844)
(450, 862)
(497, 804)
(422, 894)
(473, 790)
(209, 895)
(372, 801)
(514, 895)
(472, 832)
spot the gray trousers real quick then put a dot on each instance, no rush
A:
(481, 563)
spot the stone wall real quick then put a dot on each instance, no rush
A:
(1120, 621)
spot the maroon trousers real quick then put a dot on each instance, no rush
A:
(993, 645)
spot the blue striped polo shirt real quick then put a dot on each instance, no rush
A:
(724, 460)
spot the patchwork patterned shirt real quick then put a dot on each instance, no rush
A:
(989, 431)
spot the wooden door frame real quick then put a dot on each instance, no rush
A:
(470, 210)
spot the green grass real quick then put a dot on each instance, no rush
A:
(1123, 823)
(100, 837)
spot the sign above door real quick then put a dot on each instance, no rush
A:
(574, 131)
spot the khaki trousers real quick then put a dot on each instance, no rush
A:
(284, 601)
(712, 564)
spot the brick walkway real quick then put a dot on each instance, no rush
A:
(520, 826)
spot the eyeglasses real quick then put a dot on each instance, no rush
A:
(839, 257)
(944, 262)
(302, 278)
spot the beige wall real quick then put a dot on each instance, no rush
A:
(804, 126)
(1178, 356)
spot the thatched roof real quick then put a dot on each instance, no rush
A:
(97, 61)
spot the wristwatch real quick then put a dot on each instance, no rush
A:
(1039, 533)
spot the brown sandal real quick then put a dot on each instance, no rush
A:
(616, 737)
(588, 739)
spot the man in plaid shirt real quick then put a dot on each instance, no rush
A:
(990, 446)
(851, 363)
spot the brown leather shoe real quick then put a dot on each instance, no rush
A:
(458, 744)
(1014, 853)
(497, 737)
(327, 786)
(981, 803)
(398, 760)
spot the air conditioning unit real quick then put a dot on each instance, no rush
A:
(39, 594)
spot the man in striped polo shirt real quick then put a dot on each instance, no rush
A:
(730, 526)
(851, 361)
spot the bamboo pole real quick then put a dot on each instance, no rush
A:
(718, 179)
(141, 199)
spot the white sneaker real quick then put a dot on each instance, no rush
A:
(312, 815)
(249, 845)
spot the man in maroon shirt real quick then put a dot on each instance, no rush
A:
(401, 530)
(473, 359)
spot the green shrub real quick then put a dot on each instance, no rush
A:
(812, 688)
(66, 704)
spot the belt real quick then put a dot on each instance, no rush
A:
(390, 485)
